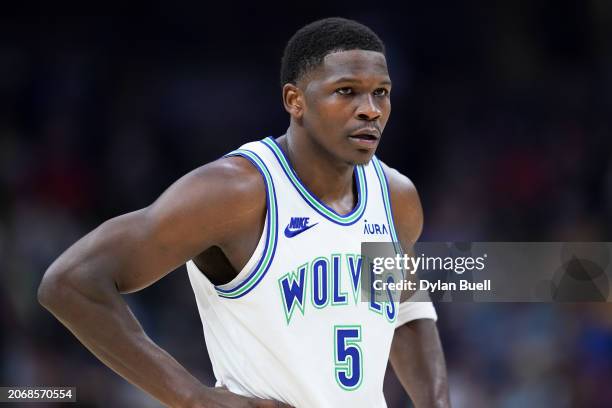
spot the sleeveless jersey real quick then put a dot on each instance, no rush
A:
(291, 326)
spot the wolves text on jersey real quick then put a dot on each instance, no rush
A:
(321, 281)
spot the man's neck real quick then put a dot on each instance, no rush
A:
(330, 180)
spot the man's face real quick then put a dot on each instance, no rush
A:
(347, 104)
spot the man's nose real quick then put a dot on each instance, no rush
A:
(368, 109)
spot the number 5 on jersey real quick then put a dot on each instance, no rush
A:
(347, 355)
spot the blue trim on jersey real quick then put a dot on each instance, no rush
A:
(386, 194)
(313, 200)
(260, 270)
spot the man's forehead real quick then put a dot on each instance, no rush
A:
(353, 63)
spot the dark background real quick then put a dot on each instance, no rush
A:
(501, 117)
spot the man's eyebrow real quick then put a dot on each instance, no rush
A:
(355, 80)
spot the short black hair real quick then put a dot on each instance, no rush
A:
(311, 43)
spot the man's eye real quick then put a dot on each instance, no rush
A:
(344, 91)
(381, 92)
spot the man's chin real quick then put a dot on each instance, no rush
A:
(362, 159)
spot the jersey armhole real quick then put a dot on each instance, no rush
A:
(386, 196)
(257, 266)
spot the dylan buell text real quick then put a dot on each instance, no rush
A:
(432, 286)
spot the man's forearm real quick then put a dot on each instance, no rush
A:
(102, 321)
(418, 361)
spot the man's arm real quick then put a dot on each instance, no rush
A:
(83, 287)
(416, 352)
(418, 361)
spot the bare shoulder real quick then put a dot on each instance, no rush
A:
(208, 206)
(233, 178)
(406, 205)
(227, 184)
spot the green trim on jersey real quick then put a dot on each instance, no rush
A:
(347, 219)
(272, 234)
(386, 196)
(384, 185)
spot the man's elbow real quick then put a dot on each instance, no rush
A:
(52, 287)
(63, 287)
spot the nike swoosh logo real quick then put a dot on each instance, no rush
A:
(290, 233)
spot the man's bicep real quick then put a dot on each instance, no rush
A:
(189, 217)
(145, 245)
(143, 248)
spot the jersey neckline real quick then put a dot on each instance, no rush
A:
(312, 200)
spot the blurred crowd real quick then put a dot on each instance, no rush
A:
(502, 117)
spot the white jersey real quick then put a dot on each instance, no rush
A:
(291, 326)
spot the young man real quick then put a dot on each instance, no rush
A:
(271, 235)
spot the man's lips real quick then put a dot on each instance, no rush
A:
(367, 135)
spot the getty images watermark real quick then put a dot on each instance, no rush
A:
(411, 264)
(488, 272)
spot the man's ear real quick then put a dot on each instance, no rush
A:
(293, 100)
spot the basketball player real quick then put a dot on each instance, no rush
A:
(271, 236)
